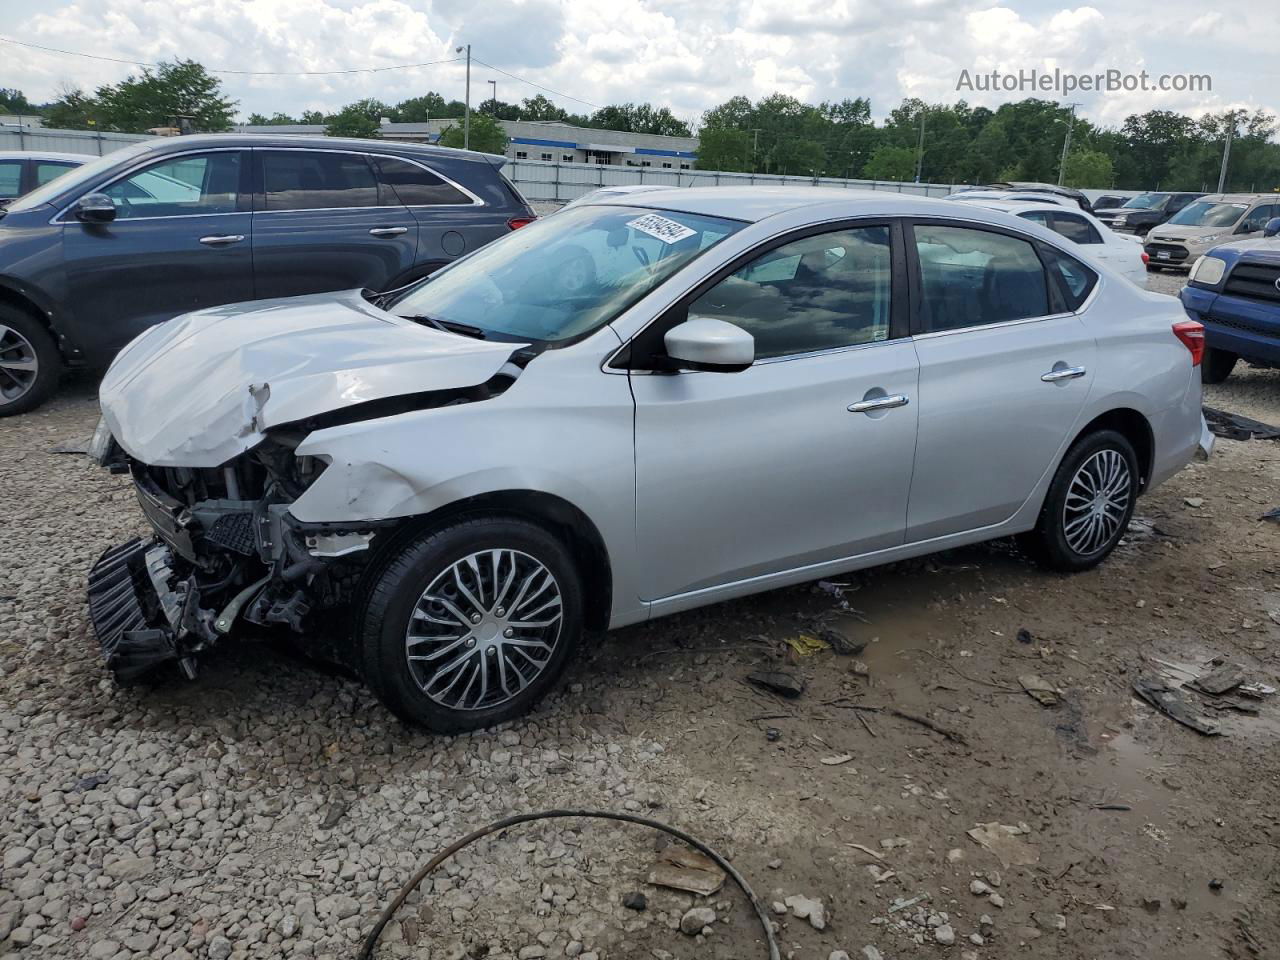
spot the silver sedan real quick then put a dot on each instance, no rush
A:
(641, 405)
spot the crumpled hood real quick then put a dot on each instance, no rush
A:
(202, 388)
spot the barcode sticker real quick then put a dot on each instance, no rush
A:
(668, 231)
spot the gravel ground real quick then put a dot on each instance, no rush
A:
(271, 807)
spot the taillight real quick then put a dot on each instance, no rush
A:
(515, 223)
(1146, 257)
(1191, 333)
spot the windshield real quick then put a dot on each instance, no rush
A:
(1148, 201)
(73, 179)
(566, 275)
(1206, 213)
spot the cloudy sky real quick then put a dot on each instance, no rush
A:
(686, 54)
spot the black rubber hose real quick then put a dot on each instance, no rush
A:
(371, 941)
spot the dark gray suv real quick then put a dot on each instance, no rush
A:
(90, 260)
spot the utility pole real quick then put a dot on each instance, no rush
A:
(1226, 150)
(1066, 144)
(920, 145)
(494, 84)
(755, 149)
(466, 107)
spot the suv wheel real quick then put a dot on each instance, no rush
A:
(1089, 504)
(471, 625)
(1216, 365)
(30, 365)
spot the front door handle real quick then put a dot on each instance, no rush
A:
(1063, 373)
(388, 231)
(222, 241)
(879, 403)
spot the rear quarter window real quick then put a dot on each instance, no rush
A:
(1075, 281)
(415, 186)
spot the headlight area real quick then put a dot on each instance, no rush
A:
(225, 554)
(1207, 271)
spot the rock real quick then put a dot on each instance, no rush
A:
(339, 907)
(219, 948)
(1194, 502)
(774, 864)
(16, 857)
(871, 953)
(979, 888)
(532, 952)
(635, 901)
(977, 939)
(130, 868)
(694, 920)
(779, 907)
(332, 814)
(803, 908)
(837, 955)
(996, 900)
(103, 950)
(955, 855)
(288, 926)
(1050, 921)
(944, 934)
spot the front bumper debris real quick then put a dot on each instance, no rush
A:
(130, 616)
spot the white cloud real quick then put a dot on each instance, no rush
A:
(689, 56)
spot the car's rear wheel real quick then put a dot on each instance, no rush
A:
(471, 625)
(30, 365)
(1089, 503)
(1217, 365)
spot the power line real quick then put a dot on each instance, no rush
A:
(594, 106)
(242, 73)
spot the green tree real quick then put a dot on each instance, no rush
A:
(312, 116)
(487, 135)
(539, 107)
(73, 111)
(276, 119)
(359, 119)
(891, 163)
(1088, 168)
(419, 109)
(640, 118)
(798, 157)
(181, 89)
(15, 101)
(720, 148)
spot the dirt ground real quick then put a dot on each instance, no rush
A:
(271, 807)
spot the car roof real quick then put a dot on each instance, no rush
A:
(197, 141)
(1021, 206)
(1239, 197)
(45, 155)
(754, 204)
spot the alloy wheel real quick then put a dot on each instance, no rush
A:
(19, 365)
(484, 629)
(1097, 502)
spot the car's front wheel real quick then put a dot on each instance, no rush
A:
(30, 365)
(1217, 365)
(1089, 503)
(471, 625)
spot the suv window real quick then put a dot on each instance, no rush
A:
(413, 186)
(184, 186)
(972, 277)
(824, 291)
(1256, 219)
(47, 170)
(304, 180)
(1077, 279)
(10, 178)
(1075, 228)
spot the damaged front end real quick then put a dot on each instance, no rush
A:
(224, 550)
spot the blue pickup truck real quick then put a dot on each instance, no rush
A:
(1234, 290)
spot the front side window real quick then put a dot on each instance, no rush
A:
(47, 170)
(415, 186)
(974, 277)
(1074, 228)
(10, 178)
(1206, 213)
(193, 185)
(303, 180)
(819, 293)
(562, 277)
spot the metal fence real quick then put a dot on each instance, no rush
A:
(15, 137)
(561, 182)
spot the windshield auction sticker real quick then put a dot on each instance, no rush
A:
(668, 231)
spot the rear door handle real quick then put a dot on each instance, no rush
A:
(879, 403)
(388, 231)
(1063, 373)
(223, 240)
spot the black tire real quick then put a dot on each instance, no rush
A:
(394, 597)
(26, 337)
(1216, 365)
(1048, 544)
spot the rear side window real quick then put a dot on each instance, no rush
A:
(10, 178)
(1075, 280)
(47, 170)
(973, 277)
(1076, 229)
(302, 180)
(413, 186)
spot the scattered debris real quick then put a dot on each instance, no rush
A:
(859, 668)
(952, 735)
(900, 904)
(1024, 635)
(1272, 515)
(1041, 689)
(1226, 677)
(879, 875)
(680, 868)
(1256, 690)
(1170, 701)
(1194, 502)
(867, 850)
(1215, 884)
(836, 760)
(696, 920)
(635, 900)
(1006, 843)
(804, 908)
(1151, 904)
(806, 645)
(840, 643)
(1123, 807)
(1232, 426)
(70, 446)
(784, 684)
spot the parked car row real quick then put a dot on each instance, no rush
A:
(23, 171)
(91, 259)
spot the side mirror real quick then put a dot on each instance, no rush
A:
(704, 343)
(95, 208)
(1272, 227)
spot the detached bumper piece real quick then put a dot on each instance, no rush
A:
(133, 610)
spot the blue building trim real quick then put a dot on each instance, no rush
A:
(649, 152)
(565, 144)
